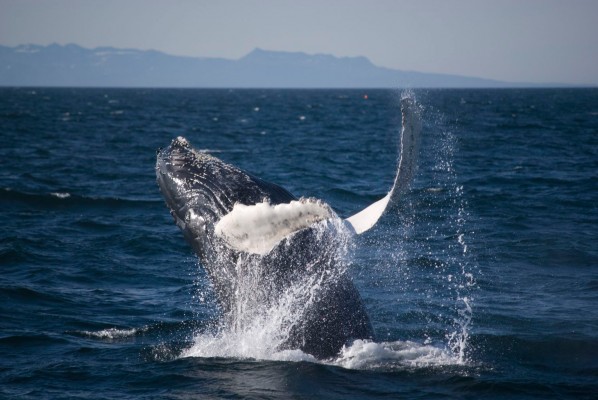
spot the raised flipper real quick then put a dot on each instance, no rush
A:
(410, 138)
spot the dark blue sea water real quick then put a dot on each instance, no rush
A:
(482, 284)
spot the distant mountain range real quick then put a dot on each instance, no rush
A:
(72, 65)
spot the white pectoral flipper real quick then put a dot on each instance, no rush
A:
(410, 138)
(258, 228)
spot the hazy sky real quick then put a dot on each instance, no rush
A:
(511, 40)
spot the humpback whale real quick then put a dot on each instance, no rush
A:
(239, 224)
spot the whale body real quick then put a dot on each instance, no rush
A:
(240, 225)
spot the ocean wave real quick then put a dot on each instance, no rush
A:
(160, 329)
(27, 295)
(112, 333)
(30, 340)
(61, 195)
(61, 199)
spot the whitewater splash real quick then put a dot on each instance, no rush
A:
(258, 329)
(260, 325)
(360, 355)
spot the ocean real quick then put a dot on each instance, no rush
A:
(482, 283)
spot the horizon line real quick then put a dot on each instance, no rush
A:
(505, 84)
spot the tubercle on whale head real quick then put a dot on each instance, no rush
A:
(176, 157)
(180, 173)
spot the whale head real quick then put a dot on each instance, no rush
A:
(201, 189)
